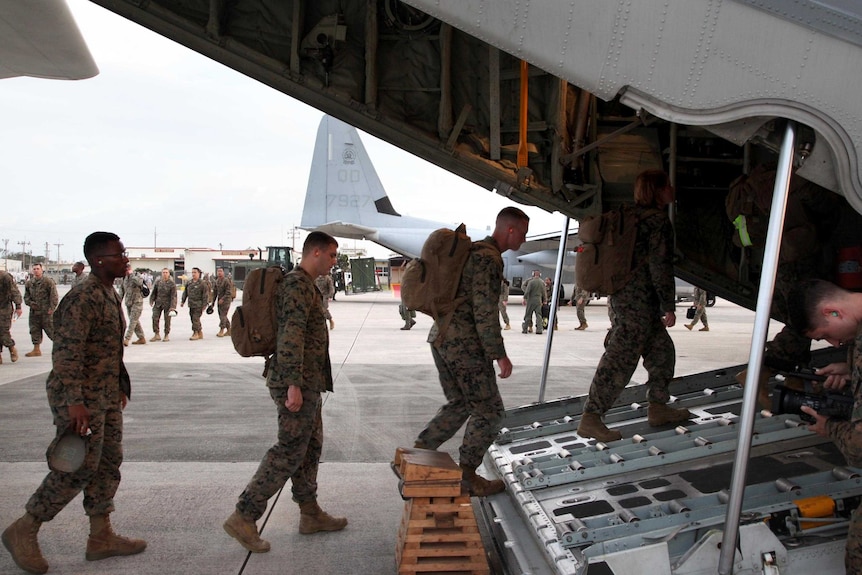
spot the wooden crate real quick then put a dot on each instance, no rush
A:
(440, 535)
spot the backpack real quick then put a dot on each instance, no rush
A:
(254, 327)
(429, 283)
(604, 261)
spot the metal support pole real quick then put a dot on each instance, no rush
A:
(755, 358)
(555, 300)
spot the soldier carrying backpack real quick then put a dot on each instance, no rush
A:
(465, 353)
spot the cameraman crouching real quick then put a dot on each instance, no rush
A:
(824, 311)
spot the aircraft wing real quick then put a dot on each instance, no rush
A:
(39, 38)
(346, 230)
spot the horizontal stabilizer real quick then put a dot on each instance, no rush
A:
(347, 230)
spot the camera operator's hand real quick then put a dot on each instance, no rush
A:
(837, 375)
(819, 425)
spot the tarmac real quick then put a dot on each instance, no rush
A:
(200, 419)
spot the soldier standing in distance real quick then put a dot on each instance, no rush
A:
(9, 295)
(222, 297)
(40, 295)
(130, 291)
(163, 300)
(78, 271)
(534, 297)
(89, 327)
(299, 374)
(643, 311)
(197, 293)
(327, 291)
(465, 354)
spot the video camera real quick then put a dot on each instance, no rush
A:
(786, 400)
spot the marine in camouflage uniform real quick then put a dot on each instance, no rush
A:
(534, 297)
(133, 298)
(836, 316)
(699, 297)
(222, 297)
(87, 390)
(10, 303)
(40, 295)
(641, 308)
(464, 355)
(299, 372)
(579, 300)
(197, 293)
(504, 303)
(327, 291)
(163, 300)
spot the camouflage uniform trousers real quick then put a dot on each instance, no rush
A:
(135, 310)
(99, 476)
(470, 386)
(582, 317)
(637, 331)
(503, 313)
(533, 309)
(700, 315)
(39, 322)
(6, 327)
(853, 550)
(158, 310)
(295, 456)
(195, 315)
(223, 308)
(406, 314)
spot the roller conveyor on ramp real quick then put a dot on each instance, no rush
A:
(659, 496)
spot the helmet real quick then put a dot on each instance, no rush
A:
(66, 453)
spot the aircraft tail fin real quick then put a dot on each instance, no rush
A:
(343, 185)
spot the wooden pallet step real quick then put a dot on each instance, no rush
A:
(414, 464)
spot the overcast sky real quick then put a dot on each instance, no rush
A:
(167, 146)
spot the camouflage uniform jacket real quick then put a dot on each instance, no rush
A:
(41, 294)
(847, 435)
(164, 293)
(476, 320)
(223, 290)
(302, 348)
(88, 348)
(9, 292)
(197, 293)
(652, 275)
(130, 289)
(325, 285)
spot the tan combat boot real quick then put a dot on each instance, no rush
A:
(313, 519)
(140, 341)
(220, 332)
(659, 414)
(156, 337)
(689, 326)
(227, 332)
(104, 543)
(35, 353)
(166, 338)
(13, 353)
(331, 324)
(592, 426)
(21, 540)
(126, 343)
(478, 486)
(763, 398)
(508, 326)
(582, 327)
(245, 531)
(195, 335)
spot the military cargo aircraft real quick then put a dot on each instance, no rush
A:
(346, 199)
(752, 108)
